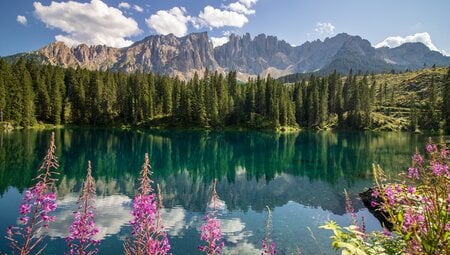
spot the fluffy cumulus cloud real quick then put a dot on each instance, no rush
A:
(324, 28)
(395, 41)
(90, 23)
(21, 19)
(176, 20)
(240, 8)
(248, 3)
(173, 21)
(218, 41)
(220, 18)
(124, 5)
(197, 22)
(111, 214)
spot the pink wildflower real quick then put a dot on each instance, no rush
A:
(268, 249)
(417, 159)
(268, 245)
(390, 194)
(375, 193)
(211, 233)
(431, 148)
(413, 173)
(83, 229)
(439, 169)
(210, 230)
(445, 153)
(37, 203)
(411, 190)
(148, 234)
(349, 208)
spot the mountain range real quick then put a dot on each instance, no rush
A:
(261, 55)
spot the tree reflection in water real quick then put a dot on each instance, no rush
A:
(254, 169)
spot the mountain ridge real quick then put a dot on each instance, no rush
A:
(260, 55)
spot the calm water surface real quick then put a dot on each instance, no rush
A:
(300, 176)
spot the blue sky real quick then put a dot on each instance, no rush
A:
(29, 25)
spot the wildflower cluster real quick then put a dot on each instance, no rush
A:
(210, 229)
(148, 235)
(82, 231)
(418, 207)
(268, 245)
(39, 201)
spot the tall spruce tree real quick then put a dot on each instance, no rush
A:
(446, 102)
(298, 100)
(25, 94)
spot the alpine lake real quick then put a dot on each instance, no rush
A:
(300, 176)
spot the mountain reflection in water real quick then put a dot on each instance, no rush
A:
(301, 176)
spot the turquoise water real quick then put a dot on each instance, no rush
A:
(300, 176)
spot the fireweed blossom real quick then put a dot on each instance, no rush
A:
(268, 245)
(36, 208)
(418, 208)
(82, 231)
(210, 229)
(148, 235)
(349, 208)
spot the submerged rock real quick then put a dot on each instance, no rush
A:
(373, 204)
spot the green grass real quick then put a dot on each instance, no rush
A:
(410, 87)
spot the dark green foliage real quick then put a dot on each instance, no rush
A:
(446, 102)
(430, 115)
(30, 92)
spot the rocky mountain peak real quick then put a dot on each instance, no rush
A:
(261, 55)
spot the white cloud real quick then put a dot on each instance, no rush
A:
(90, 23)
(248, 3)
(220, 18)
(197, 22)
(233, 230)
(227, 33)
(324, 28)
(138, 8)
(174, 220)
(395, 41)
(218, 41)
(124, 5)
(240, 8)
(111, 213)
(21, 19)
(242, 248)
(171, 21)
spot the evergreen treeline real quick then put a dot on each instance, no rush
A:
(30, 93)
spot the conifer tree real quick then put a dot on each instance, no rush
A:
(93, 93)
(298, 99)
(446, 102)
(2, 92)
(57, 92)
(339, 104)
(25, 100)
(347, 92)
(323, 110)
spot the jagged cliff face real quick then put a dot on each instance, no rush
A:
(169, 54)
(98, 57)
(160, 54)
(262, 55)
(255, 56)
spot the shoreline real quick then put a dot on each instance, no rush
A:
(7, 126)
